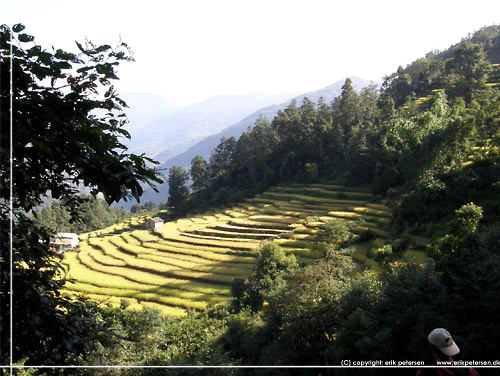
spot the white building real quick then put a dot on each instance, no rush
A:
(63, 241)
(155, 222)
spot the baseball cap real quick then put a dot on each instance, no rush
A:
(441, 338)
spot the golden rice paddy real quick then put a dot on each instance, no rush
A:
(190, 263)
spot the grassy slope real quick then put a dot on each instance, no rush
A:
(190, 263)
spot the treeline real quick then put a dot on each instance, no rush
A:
(422, 121)
(94, 214)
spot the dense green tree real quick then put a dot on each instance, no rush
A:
(468, 217)
(286, 123)
(150, 206)
(411, 144)
(178, 190)
(253, 164)
(94, 214)
(360, 159)
(67, 123)
(398, 85)
(309, 133)
(46, 218)
(301, 137)
(368, 99)
(304, 313)
(484, 119)
(362, 149)
(91, 143)
(467, 70)
(325, 138)
(199, 173)
(221, 159)
(387, 106)
(346, 110)
(136, 208)
(288, 167)
(489, 38)
(271, 270)
(335, 234)
(429, 77)
(426, 202)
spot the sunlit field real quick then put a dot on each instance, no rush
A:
(191, 263)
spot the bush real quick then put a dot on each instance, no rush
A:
(271, 270)
(384, 253)
(425, 203)
(468, 217)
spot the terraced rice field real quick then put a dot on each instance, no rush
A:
(482, 151)
(190, 264)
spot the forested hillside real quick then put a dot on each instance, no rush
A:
(204, 147)
(380, 211)
(385, 140)
(429, 143)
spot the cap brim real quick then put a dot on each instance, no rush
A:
(450, 350)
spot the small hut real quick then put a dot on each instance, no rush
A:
(63, 241)
(155, 222)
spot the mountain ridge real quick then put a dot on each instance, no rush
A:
(207, 144)
(328, 93)
(181, 127)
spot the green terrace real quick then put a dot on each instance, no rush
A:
(191, 263)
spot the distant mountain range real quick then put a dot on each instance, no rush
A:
(143, 109)
(165, 134)
(205, 146)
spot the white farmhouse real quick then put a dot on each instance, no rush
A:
(155, 222)
(63, 241)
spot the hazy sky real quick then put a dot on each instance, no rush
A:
(188, 50)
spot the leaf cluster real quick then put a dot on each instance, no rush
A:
(67, 123)
(66, 127)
